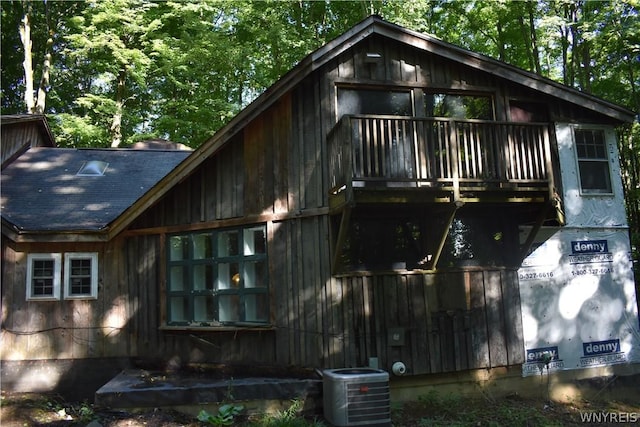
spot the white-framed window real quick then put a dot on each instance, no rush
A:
(218, 277)
(43, 276)
(49, 279)
(593, 161)
(81, 275)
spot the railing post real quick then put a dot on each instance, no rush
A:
(548, 163)
(455, 156)
(349, 158)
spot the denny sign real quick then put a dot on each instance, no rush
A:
(578, 302)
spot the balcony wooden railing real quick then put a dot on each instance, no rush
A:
(451, 154)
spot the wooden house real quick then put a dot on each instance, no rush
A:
(373, 206)
(19, 132)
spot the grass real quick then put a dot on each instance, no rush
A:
(432, 409)
(436, 409)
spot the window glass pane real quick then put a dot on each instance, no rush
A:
(178, 278)
(582, 151)
(179, 248)
(81, 267)
(255, 241)
(202, 277)
(228, 308)
(255, 273)
(385, 243)
(42, 277)
(480, 239)
(228, 275)
(384, 102)
(590, 144)
(178, 309)
(81, 286)
(80, 276)
(256, 308)
(228, 243)
(594, 176)
(43, 268)
(458, 106)
(528, 111)
(203, 308)
(202, 247)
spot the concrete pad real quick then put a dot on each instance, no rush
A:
(145, 389)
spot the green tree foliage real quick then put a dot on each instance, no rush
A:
(130, 69)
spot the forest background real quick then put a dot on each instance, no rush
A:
(109, 73)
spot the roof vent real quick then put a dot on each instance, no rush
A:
(93, 168)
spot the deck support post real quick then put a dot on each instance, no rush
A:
(455, 206)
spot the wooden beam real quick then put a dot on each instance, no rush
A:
(230, 222)
(456, 205)
(534, 230)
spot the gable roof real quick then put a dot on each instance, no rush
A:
(39, 119)
(16, 141)
(42, 192)
(315, 60)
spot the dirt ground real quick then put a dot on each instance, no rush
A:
(42, 410)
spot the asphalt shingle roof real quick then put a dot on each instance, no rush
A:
(40, 190)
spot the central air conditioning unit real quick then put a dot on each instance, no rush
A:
(356, 397)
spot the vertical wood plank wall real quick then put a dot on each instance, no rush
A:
(18, 136)
(67, 329)
(451, 321)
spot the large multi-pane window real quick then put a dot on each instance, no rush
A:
(218, 277)
(593, 162)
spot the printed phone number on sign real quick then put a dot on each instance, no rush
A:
(532, 275)
(592, 271)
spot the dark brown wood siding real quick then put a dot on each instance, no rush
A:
(275, 170)
(449, 322)
(18, 137)
(67, 329)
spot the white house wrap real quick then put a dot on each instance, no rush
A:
(577, 288)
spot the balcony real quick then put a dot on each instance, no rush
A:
(435, 159)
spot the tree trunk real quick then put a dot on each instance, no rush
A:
(46, 66)
(575, 45)
(116, 124)
(25, 38)
(534, 40)
(44, 83)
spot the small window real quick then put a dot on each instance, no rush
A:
(43, 276)
(593, 162)
(81, 275)
(218, 277)
(458, 106)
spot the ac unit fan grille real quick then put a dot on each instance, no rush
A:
(368, 401)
